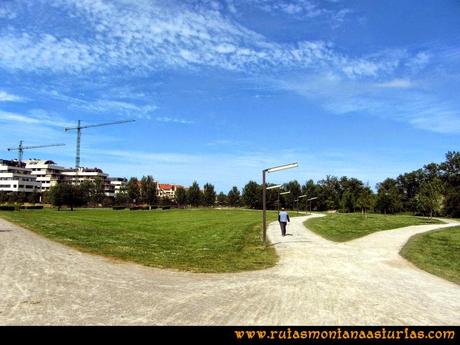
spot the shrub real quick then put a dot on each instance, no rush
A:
(32, 207)
(6, 208)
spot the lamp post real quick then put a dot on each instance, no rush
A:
(311, 200)
(264, 193)
(278, 186)
(298, 199)
(284, 193)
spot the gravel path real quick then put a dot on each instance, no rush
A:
(317, 282)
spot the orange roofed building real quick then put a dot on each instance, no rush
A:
(165, 190)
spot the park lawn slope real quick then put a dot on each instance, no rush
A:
(342, 227)
(197, 240)
(437, 252)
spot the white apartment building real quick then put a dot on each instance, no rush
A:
(15, 177)
(76, 176)
(40, 175)
(83, 174)
(115, 185)
(46, 171)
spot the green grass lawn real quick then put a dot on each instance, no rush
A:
(437, 252)
(342, 227)
(198, 240)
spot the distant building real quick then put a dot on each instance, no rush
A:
(80, 175)
(46, 171)
(77, 176)
(15, 177)
(168, 191)
(40, 175)
(116, 184)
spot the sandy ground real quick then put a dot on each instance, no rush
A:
(317, 282)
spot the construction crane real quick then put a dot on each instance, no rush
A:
(21, 148)
(80, 127)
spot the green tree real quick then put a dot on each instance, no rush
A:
(252, 195)
(181, 196)
(348, 201)
(133, 189)
(365, 200)
(3, 196)
(66, 194)
(350, 189)
(450, 175)
(221, 199)
(408, 185)
(87, 189)
(209, 195)
(98, 191)
(329, 192)
(310, 188)
(122, 197)
(233, 197)
(194, 195)
(388, 197)
(33, 197)
(148, 190)
(295, 190)
(430, 198)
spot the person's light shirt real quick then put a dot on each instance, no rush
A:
(283, 216)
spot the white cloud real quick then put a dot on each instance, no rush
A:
(419, 61)
(396, 84)
(38, 117)
(173, 120)
(145, 36)
(29, 52)
(7, 97)
(118, 107)
(394, 100)
(298, 8)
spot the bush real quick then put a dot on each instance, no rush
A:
(166, 207)
(38, 207)
(118, 207)
(136, 208)
(7, 208)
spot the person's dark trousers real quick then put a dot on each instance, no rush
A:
(283, 228)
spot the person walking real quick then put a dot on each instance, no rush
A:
(283, 219)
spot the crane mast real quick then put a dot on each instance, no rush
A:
(80, 127)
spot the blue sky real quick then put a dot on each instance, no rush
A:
(222, 89)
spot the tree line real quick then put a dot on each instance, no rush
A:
(433, 190)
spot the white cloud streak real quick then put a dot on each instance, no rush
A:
(392, 100)
(173, 120)
(145, 36)
(7, 97)
(40, 118)
(396, 84)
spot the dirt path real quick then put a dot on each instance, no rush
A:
(317, 282)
